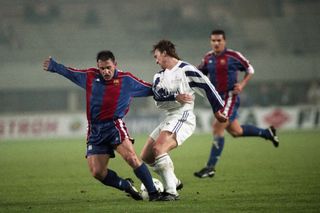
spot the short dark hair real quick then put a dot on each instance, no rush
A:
(105, 55)
(168, 46)
(219, 32)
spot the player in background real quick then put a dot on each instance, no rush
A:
(174, 90)
(109, 92)
(222, 66)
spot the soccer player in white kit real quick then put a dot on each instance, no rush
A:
(174, 89)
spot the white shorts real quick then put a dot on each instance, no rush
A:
(182, 124)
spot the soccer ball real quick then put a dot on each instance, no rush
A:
(157, 183)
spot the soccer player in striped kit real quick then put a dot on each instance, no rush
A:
(174, 90)
(222, 66)
(109, 92)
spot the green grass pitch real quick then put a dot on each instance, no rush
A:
(252, 176)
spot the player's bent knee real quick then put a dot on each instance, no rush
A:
(144, 158)
(147, 159)
(133, 160)
(235, 134)
(156, 150)
(97, 173)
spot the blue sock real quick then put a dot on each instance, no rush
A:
(113, 180)
(216, 151)
(144, 175)
(250, 130)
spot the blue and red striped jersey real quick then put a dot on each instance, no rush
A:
(222, 69)
(106, 100)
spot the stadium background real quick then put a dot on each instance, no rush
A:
(50, 174)
(280, 38)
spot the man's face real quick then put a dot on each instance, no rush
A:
(218, 43)
(160, 58)
(106, 68)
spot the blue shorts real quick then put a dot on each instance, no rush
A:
(231, 105)
(104, 137)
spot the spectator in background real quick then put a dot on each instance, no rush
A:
(313, 93)
(246, 99)
(92, 18)
(8, 35)
(264, 95)
(285, 96)
(40, 11)
(283, 93)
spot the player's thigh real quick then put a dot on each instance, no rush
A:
(219, 127)
(235, 128)
(146, 152)
(127, 152)
(164, 143)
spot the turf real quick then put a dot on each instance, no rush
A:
(252, 176)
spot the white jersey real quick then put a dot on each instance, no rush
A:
(183, 78)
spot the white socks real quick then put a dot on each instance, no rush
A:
(163, 166)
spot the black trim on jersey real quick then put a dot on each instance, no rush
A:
(215, 104)
(162, 94)
(159, 98)
(193, 74)
(182, 65)
(156, 82)
(200, 85)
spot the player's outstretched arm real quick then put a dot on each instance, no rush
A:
(76, 76)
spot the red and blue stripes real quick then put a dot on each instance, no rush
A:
(106, 100)
(223, 68)
(110, 99)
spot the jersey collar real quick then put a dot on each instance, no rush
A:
(222, 52)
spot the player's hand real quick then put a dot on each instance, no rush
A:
(46, 63)
(221, 117)
(237, 88)
(184, 98)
